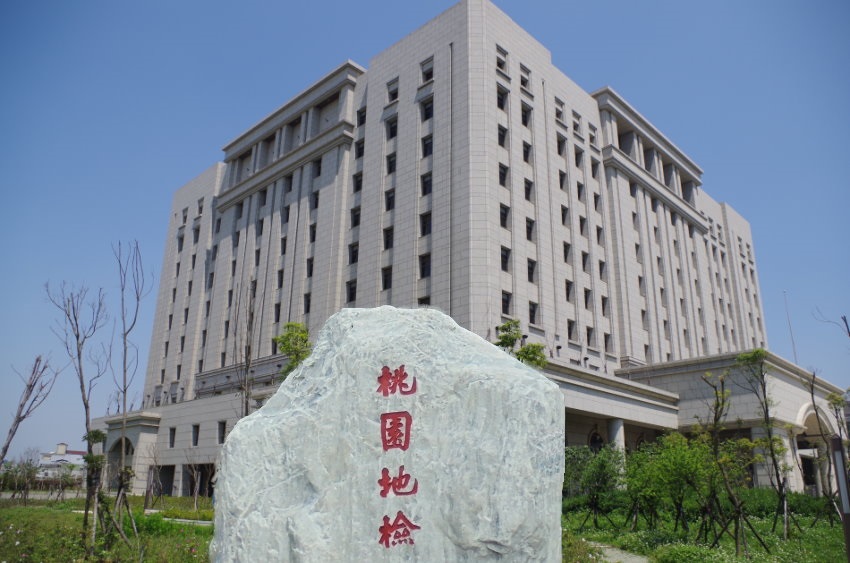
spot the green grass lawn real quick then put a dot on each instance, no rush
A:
(819, 544)
(50, 531)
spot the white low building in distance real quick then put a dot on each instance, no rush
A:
(461, 171)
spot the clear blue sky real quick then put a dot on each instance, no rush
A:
(108, 107)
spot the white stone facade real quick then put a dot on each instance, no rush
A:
(462, 171)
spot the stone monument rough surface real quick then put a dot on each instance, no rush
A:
(403, 437)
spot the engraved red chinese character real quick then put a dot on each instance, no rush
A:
(397, 485)
(395, 430)
(397, 532)
(391, 381)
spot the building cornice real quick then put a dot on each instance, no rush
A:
(616, 158)
(609, 99)
(345, 74)
(340, 134)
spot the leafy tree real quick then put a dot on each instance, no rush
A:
(754, 370)
(294, 343)
(643, 486)
(530, 354)
(601, 477)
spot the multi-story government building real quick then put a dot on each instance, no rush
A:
(461, 171)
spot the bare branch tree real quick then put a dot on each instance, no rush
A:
(36, 389)
(244, 324)
(132, 285)
(82, 316)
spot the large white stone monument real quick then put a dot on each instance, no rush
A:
(404, 437)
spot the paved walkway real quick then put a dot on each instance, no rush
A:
(614, 555)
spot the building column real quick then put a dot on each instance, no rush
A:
(617, 433)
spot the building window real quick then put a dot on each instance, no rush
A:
(584, 262)
(562, 179)
(282, 246)
(425, 183)
(582, 225)
(196, 432)
(388, 238)
(353, 253)
(501, 59)
(359, 148)
(565, 215)
(532, 312)
(284, 214)
(576, 124)
(571, 330)
(309, 267)
(529, 229)
(425, 265)
(392, 128)
(504, 215)
(524, 77)
(392, 90)
(355, 217)
(588, 298)
(425, 224)
(559, 110)
(604, 303)
(591, 337)
(313, 232)
(501, 98)
(357, 182)
(391, 163)
(594, 168)
(427, 109)
(579, 156)
(424, 301)
(506, 303)
(389, 200)
(591, 135)
(506, 259)
(567, 249)
(280, 278)
(427, 146)
(361, 117)
(503, 175)
(603, 272)
(526, 152)
(427, 70)
(172, 433)
(529, 190)
(526, 115)
(532, 270)
(317, 168)
(569, 288)
(387, 278)
(503, 136)
(350, 291)
(314, 201)
(307, 303)
(222, 430)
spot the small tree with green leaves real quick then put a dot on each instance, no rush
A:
(753, 366)
(531, 354)
(294, 343)
(601, 477)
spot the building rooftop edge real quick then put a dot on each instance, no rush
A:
(348, 65)
(620, 100)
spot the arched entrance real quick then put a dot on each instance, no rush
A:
(812, 449)
(113, 460)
